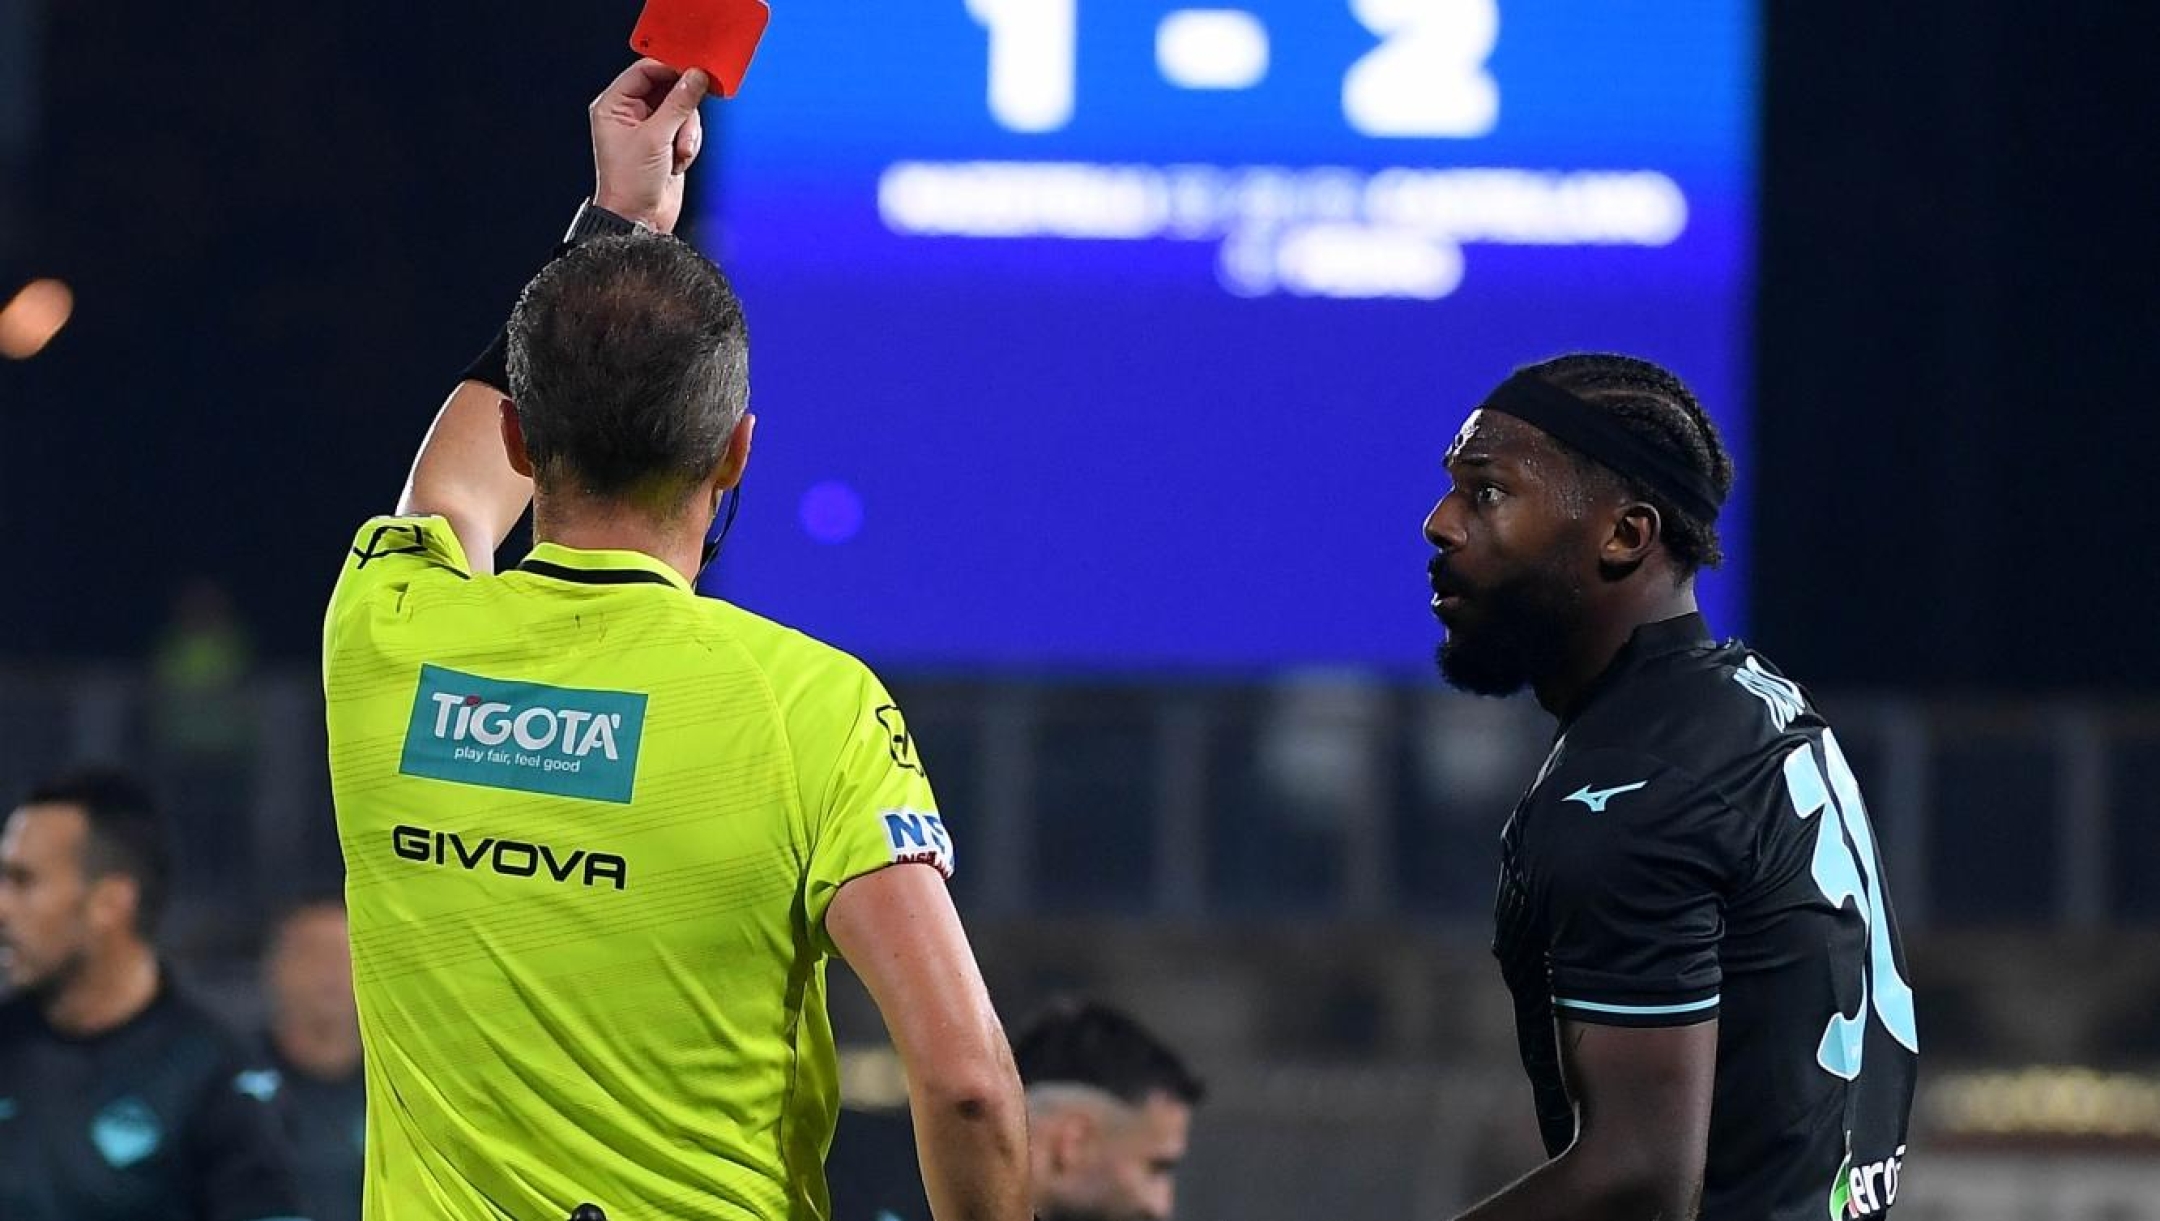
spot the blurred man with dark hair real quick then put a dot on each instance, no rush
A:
(1109, 1112)
(1711, 998)
(314, 1042)
(119, 1097)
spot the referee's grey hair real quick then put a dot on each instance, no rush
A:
(630, 368)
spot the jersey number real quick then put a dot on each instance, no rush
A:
(1848, 867)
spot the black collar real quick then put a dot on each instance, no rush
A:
(1651, 641)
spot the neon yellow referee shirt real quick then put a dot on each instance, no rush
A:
(591, 825)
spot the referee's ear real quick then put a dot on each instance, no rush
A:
(735, 459)
(513, 434)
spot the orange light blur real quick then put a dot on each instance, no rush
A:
(37, 313)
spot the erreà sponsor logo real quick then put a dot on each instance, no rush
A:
(1871, 1189)
(533, 737)
(513, 858)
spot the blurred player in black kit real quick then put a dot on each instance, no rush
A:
(313, 1040)
(120, 1099)
(1711, 998)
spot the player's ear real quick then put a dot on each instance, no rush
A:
(113, 902)
(1636, 527)
(1068, 1137)
(513, 435)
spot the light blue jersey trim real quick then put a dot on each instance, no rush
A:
(1636, 1010)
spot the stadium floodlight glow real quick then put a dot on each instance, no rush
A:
(30, 320)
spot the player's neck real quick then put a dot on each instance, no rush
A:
(107, 993)
(1604, 633)
(590, 526)
(325, 1049)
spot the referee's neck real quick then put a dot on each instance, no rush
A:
(593, 525)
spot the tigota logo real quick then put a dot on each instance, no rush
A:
(533, 737)
(570, 733)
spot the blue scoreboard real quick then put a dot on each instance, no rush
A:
(1125, 334)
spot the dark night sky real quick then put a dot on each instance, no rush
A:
(289, 227)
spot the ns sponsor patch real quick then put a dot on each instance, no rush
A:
(919, 838)
(531, 737)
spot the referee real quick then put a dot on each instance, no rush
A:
(1711, 999)
(601, 834)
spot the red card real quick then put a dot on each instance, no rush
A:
(719, 36)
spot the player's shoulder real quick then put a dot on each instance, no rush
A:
(221, 1057)
(181, 1017)
(1701, 710)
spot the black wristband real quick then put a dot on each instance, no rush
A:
(492, 366)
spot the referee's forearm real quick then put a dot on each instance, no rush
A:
(971, 1137)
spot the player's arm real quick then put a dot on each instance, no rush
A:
(1626, 862)
(645, 132)
(898, 930)
(1642, 1105)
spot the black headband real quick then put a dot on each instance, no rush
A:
(1599, 436)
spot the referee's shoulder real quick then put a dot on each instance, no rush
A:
(792, 660)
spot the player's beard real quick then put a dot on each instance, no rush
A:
(54, 979)
(1508, 636)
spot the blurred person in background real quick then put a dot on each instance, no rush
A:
(119, 1096)
(313, 1041)
(1110, 1111)
(1711, 997)
(601, 834)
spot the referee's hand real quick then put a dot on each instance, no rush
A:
(645, 133)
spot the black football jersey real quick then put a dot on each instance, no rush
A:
(161, 1119)
(325, 1126)
(1696, 847)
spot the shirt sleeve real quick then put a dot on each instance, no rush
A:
(875, 807)
(390, 553)
(243, 1166)
(1629, 865)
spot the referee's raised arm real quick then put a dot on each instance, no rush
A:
(471, 469)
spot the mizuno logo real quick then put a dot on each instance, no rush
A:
(1595, 799)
